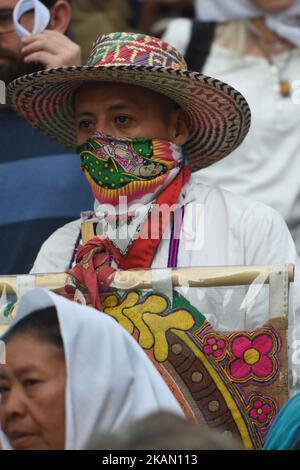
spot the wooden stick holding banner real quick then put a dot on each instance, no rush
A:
(142, 279)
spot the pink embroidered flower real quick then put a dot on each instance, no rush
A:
(214, 346)
(252, 356)
(261, 411)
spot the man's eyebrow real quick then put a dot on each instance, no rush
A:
(118, 107)
(84, 113)
(113, 107)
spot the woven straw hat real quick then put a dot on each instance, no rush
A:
(218, 115)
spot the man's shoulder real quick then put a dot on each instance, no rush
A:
(69, 229)
(250, 231)
(220, 199)
(56, 253)
(225, 211)
(63, 236)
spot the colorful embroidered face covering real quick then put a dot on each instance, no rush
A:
(138, 168)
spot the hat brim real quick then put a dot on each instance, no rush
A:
(219, 116)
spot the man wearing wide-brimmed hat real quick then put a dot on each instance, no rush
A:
(144, 122)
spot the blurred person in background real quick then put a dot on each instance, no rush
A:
(37, 176)
(156, 14)
(254, 45)
(169, 431)
(91, 16)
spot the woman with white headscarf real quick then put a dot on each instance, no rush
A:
(71, 376)
(256, 48)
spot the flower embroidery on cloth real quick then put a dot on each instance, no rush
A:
(254, 357)
(215, 346)
(262, 410)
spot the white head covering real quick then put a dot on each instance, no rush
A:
(285, 24)
(110, 380)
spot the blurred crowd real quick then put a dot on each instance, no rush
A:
(147, 16)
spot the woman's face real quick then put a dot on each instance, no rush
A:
(32, 391)
(273, 6)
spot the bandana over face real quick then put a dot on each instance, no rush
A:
(137, 168)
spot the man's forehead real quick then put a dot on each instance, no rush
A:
(113, 94)
(107, 89)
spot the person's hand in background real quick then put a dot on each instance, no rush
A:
(52, 49)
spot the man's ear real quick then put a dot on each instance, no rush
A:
(180, 131)
(61, 14)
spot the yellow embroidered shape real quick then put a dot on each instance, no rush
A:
(146, 316)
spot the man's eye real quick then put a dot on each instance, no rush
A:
(122, 119)
(3, 389)
(85, 124)
(30, 382)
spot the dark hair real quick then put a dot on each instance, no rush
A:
(42, 323)
(167, 431)
(50, 3)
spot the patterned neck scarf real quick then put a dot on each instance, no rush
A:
(136, 168)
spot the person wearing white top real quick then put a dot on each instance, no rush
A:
(257, 52)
